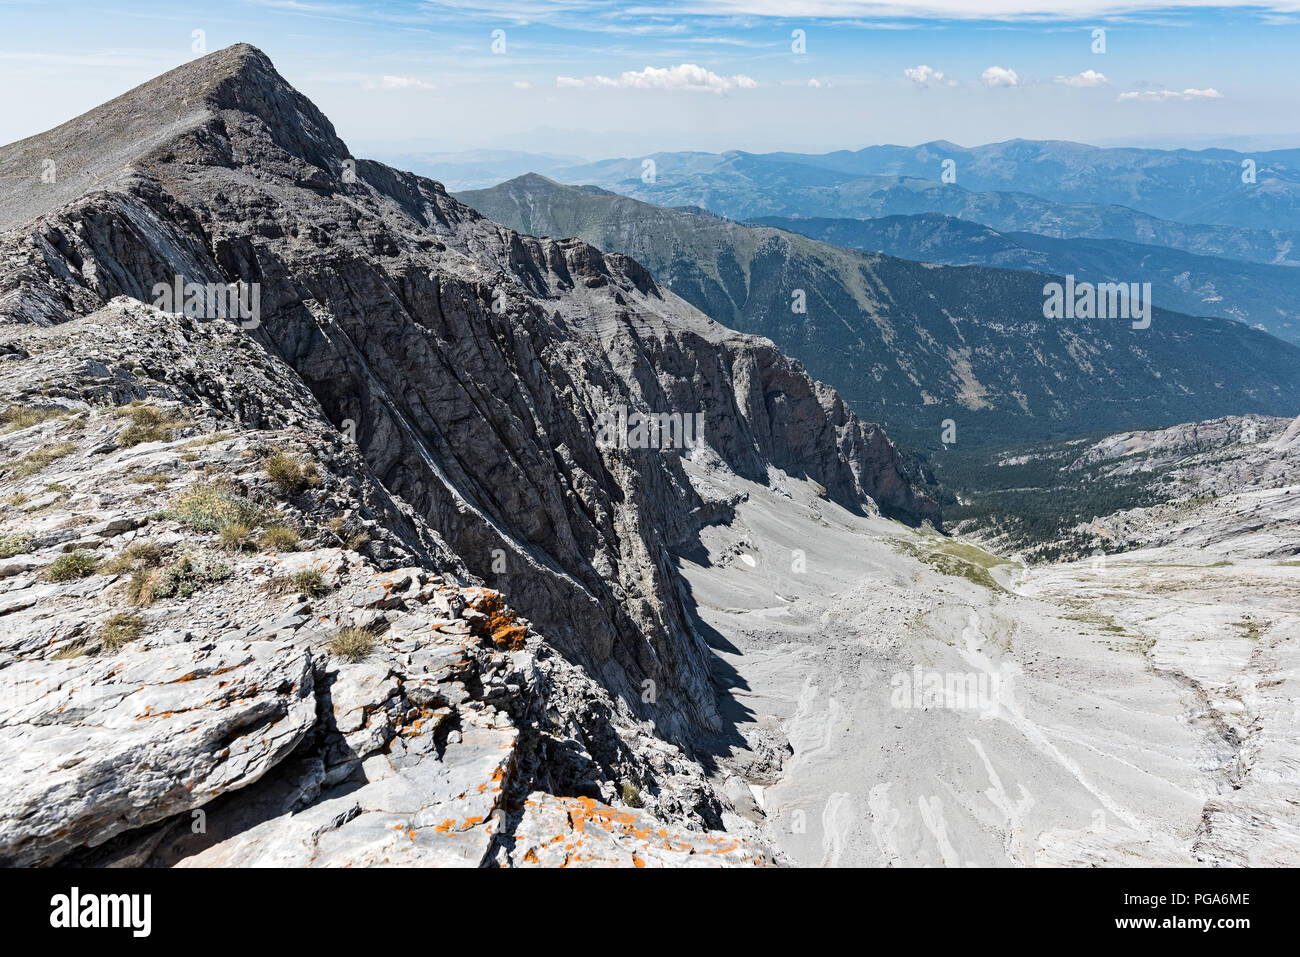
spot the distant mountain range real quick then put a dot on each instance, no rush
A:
(1193, 200)
(1191, 186)
(911, 344)
(747, 186)
(1267, 296)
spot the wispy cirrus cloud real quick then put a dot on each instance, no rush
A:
(1007, 10)
(1164, 96)
(684, 76)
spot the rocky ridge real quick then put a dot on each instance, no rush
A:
(452, 617)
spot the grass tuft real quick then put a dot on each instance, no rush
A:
(352, 643)
(208, 439)
(76, 649)
(134, 556)
(71, 566)
(148, 424)
(117, 630)
(348, 536)
(289, 474)
(25, 416)
(311, 582)
(34, 461)
(140, 587)
(235, 536)
(278, 537)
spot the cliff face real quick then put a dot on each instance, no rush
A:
(470, 365)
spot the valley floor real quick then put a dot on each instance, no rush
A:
(1143, 709)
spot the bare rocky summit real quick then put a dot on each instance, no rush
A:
(357, 583)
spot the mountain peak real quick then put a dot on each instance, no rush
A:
(239, 62)
(106, 144)
(532, 181)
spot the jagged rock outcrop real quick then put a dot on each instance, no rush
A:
(446, 372)
(180, 610)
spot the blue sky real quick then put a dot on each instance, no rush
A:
(597, 79)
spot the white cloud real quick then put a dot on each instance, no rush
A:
(399, 83)
(686, 76)
(1086, 78)
(1161, 96)
(815, 83)
(1000, 76)
(924, 76)
(522, 85)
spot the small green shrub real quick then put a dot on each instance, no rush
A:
(631, 796)
(187, 575)
(15, 543)
(71, 566)
(207, 506)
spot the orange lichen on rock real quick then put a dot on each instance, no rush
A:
(499, 623)
(584, 809)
